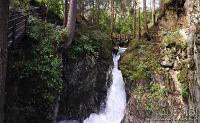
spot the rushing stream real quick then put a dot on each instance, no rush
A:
(116, 98)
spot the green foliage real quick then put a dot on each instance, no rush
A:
(56, 6)
(139, 64)
(170, 39)
(19, 5)
(139, 61)
(93, 43)
(104, 21)
(183, 79)
(126, 25)
(35, 68)
(156, 90)
(84, 45)
(150, 97)
(46, 63)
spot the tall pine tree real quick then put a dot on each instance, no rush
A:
(145, 16)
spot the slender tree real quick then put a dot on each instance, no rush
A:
(4, 5)
(161, 6)
(45, 11)
(82, 7)
(71, 23)
(153, 11)
(93, 11)
(145, 16)
(135, 17)
(123, 7)
(65, 14)
(115, 13)
(112, 18)
(98, 11)
(139, 23)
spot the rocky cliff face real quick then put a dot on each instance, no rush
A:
(192, 32)
(86, 83)
(178, 68)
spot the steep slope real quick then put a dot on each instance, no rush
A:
(163, 75)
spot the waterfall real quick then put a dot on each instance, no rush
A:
(116, 98)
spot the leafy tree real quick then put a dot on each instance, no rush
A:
(56, 6)
(139, 23)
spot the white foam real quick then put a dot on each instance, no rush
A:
(116, 98)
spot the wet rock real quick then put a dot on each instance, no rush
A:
(86, 83)
(132, 114)
(115, 50)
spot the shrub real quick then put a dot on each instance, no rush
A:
(46, 63)
(93, 43)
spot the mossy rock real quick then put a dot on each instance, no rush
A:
(184, 80)
(182, 64)
(150, 97)
(173, 39)
(139, 61)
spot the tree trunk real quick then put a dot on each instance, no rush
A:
(139, 23)
(81, 8)
(153, 11)
(46, 12)
(98, 11)
(65, 14)
(115, 13)
(4, 5)
(135, 16)
(161, 6)
(71, 23)
(112, 17)
(93, 12)
(145, 16)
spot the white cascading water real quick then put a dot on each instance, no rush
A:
(116, 98)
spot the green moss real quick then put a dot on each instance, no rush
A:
(150, 97)
(182, 65)
(172, 39)
(183, 79)
(139, 61)
(138, 64)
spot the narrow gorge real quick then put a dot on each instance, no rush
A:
(100, 61)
